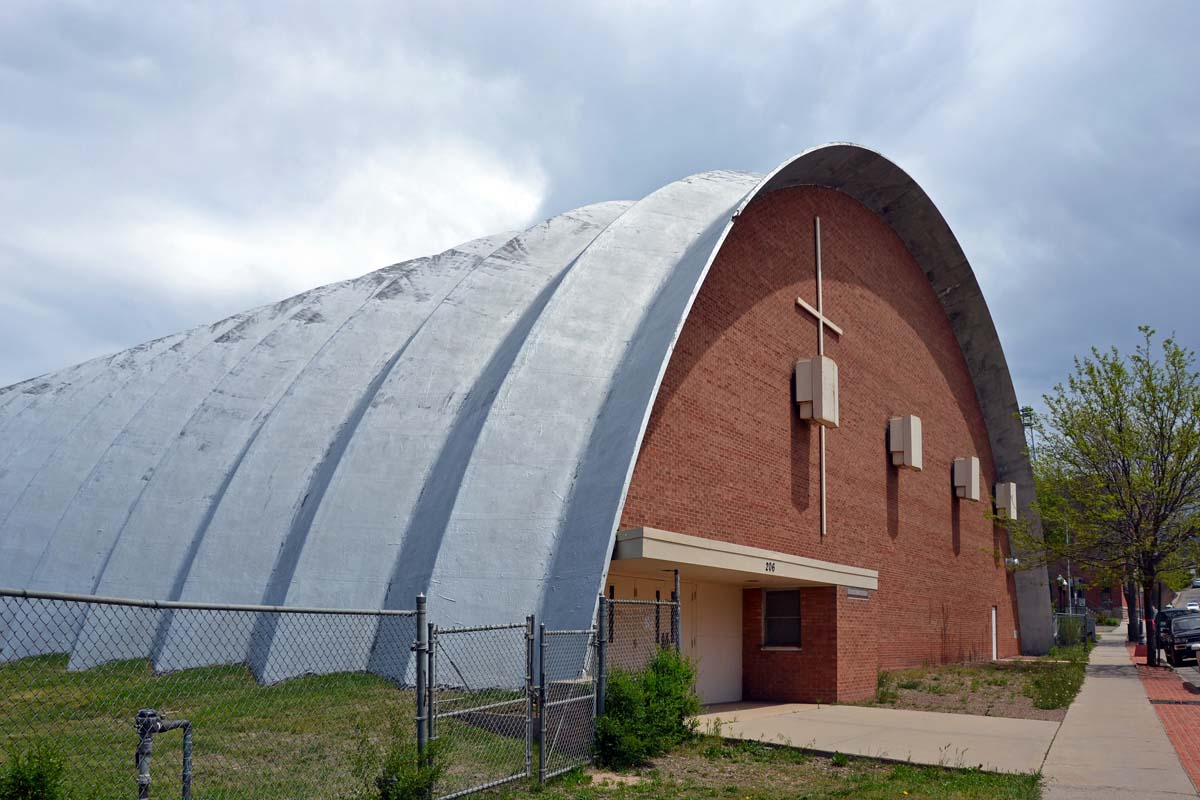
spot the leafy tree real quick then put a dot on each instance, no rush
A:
(1118, 465)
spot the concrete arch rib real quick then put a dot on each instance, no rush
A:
(203, 464)
(513, 495)
(35, 517)
(50, 425)
(366, 522)
(263, 518)
(197, 467)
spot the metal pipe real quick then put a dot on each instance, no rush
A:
(150, 722)
(187, 762)
(146, 720)
(127, 601)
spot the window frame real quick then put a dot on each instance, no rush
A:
(799, 617)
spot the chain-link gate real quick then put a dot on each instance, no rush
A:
(480, 705)
(635, 630)
(568, 668)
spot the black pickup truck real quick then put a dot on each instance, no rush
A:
(1180, 638)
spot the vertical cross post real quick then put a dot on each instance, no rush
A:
(822, 323)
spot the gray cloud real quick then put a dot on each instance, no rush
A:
(165, 165)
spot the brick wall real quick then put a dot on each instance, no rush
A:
(726, 455)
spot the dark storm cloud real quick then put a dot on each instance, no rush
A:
(164, 166)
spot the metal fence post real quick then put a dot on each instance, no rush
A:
(529, 628)
(541, 648)
(601, 654)
(676, 621)
(421, 648)
(611, 619)
(431, 682)
(658, 617)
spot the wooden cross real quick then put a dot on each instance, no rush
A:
(822, 322)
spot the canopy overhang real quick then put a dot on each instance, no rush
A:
(650, 552)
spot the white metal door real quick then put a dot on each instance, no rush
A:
(994, 651)
(717, 641)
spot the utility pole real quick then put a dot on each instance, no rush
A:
(1070, 582)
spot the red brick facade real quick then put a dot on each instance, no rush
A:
(727, 457)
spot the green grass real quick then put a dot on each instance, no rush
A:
(293, 739)
(1056, 686)
(712, 768)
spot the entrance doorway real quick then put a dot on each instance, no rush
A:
(710, 628)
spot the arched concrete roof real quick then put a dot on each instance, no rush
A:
(464, 425)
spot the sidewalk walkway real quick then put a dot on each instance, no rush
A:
(997, 744)
(1111, 744)
(1175, 696)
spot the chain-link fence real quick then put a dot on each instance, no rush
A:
(481, 705)
(1072, 629)
(215, 701)
(273, 702)
(567, 700)
(635, 630)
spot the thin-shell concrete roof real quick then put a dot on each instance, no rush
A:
(464, 424)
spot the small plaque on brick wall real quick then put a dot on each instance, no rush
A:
(861, 594)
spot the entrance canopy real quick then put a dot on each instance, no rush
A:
(650, 552)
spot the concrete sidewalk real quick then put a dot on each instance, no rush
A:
(1111, 744)
(923, 737)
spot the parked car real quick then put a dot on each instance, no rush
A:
(1193, 606)
(1180, 638)
(1196, 583)
(1161, 618)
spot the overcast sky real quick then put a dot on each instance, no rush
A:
(164, 165)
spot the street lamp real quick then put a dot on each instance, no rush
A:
(1028, 421)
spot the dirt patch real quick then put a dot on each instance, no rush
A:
(989, 690)
(605, 778)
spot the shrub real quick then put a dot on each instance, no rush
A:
(405, 775)
(1070, 630)
(397, 772)
(885, 688)
(35, 774)
(647, 713)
